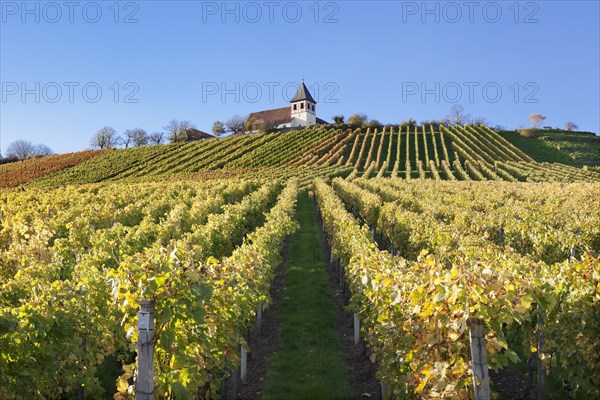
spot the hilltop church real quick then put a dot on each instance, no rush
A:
(301, 112)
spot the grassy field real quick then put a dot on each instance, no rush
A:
(308, 361)
(548, 151)
(536, 148)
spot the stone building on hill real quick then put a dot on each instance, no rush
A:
(301, 112)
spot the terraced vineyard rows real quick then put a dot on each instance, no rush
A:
(452, 153)
(108, 166)
(178, 160)
(464, 153)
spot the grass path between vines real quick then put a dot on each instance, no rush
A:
(308, 362)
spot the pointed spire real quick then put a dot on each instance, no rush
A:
(303, 94)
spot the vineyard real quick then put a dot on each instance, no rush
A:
(77, 262)
(21, 172)
(522, 261)
(451, 153)
(145, 273)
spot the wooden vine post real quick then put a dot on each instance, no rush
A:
(356, 329)
(479, 364)
(540, 346)
(144, 384)
(258, 319)
(243, 362)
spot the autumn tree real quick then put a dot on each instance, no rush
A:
(536, 120)
(255, 125)
(357, 120)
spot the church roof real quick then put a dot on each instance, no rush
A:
(303, 94)
(277, 116)
(274, 117)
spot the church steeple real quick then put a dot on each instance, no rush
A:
(303, 107)
(303, 94)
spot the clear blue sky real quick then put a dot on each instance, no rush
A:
(204, 61)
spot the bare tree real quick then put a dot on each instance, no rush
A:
(457, 115)
(536, 120)
(41, 150)
(156, 138)
(218, 128)
(139, 137)
(177, 130)
(22, 149)
(235, 124)
(571, 126)
(135, 137)
(480, 121)
(105, 138)
(126, 138)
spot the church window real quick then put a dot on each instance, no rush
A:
(295, 107)
(302, 106)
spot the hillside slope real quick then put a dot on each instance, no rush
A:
(20, 172)
(558, 146)
(449, 153)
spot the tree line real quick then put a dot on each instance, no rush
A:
(179, 131)
(23, 149)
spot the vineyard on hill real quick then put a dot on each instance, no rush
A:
(450, 153)
(20, 172)
(146, 271)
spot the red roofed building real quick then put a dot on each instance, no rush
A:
(301, 112)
